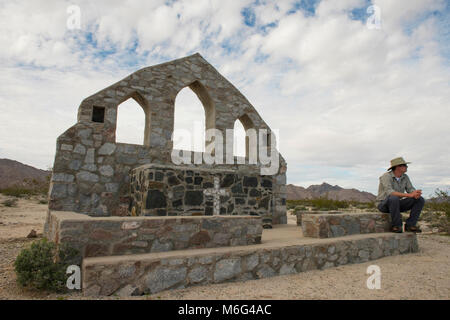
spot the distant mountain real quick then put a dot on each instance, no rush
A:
(327, 190)
(16, 173)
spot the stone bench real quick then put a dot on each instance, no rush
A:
(300, 214)
(332, 225)
(108, 236)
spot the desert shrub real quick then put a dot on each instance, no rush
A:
(363, 205)
(19, 192)
(16, 191)
(42, 201)
(42, 266)
(28, 187)
(300, 208)
(371, 205)
(325, 204)
(437, 211)
(10, 203)
(291, 204)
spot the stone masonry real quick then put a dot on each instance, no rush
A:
(111, 236)
(144, 223)
(137, 275)
(160, 190)
(299, 214)
(339, 224)
(91, 171)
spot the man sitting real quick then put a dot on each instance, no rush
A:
(393, 199)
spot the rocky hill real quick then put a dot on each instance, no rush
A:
(16, 173)
(329, 191)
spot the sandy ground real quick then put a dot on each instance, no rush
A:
(17, 222)
(423, 275)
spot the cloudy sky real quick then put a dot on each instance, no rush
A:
(347, 94)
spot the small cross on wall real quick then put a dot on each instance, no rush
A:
(216, 192)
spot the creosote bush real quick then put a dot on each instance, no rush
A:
(42, 266)
(27, 188)
(10, 203)
(437, 211)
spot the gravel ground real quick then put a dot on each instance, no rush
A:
(19, 220)
(423, 275)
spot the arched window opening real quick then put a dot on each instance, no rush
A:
(189, 122)
(239, 140)
(131, 120)
(251, 139)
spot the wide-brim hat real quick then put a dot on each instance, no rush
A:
(396, 162)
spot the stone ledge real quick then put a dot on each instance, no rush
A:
(108, 236)
(332, 225)
(151, 273)
(300, 214)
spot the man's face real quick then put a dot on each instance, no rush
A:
(401, 169)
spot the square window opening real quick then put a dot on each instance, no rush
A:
(98, 114)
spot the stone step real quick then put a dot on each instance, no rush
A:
(299, 214)
(109, 236)
(154, 272)
(332, 225)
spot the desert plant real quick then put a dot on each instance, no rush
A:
(437, 211)
(300, 208)
(10, 203)
(43, 266)
(16, 191)
(28, 187)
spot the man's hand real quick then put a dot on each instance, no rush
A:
(416, 194)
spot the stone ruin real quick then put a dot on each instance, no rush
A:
(96, 176)
(143, 224)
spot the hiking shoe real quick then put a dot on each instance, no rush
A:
(412, 229)
(396, 229)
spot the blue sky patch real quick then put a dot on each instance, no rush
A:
(249, 17)
(360, 13)
(307, 6)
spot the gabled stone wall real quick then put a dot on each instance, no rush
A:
(91, 172)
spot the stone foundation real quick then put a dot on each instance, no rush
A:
(145, 274)
(110, 236)
(330, 225)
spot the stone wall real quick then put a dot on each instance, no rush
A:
(129, 275)
(158, 190)
(299, 214)
(338, 225)
(91, 170)
(108, 236)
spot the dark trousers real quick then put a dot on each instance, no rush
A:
(394, 205)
